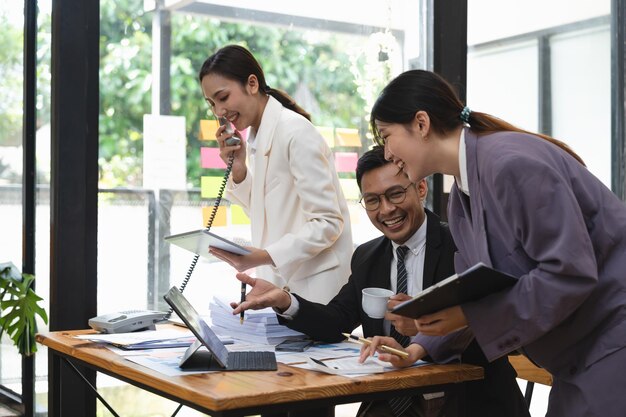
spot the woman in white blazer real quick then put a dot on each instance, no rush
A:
(288, 186)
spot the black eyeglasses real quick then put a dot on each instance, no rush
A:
(395, 195)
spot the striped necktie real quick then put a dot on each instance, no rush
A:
(401, 288)
(399, 405)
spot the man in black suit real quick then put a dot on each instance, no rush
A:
(394, 206)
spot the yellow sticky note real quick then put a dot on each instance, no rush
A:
(218, 220)
(347, 137)
(210, 186)
(207, 129)
(238, 215)
(328, 134)
(350, 188)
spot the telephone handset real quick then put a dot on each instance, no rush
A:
(234, 139)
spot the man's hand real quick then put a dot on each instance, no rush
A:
(243, 262)
(263, 294)
(442, 322)
(415, 351)
(404, 325)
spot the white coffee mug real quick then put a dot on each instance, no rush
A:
(375, 301)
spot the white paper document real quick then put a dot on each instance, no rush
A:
(164, 361)
(347, 366)
(319, 351)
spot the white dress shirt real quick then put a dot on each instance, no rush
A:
(251, 148)
(462, 182)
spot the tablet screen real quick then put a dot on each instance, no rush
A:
(198, 241)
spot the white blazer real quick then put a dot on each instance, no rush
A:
(296, 206)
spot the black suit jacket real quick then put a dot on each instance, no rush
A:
(371, 268)
(497, 395)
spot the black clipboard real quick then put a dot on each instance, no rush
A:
(470, 285)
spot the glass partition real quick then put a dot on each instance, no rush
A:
(512, 65)
(581, 95)
(545, 87)
(333, 68)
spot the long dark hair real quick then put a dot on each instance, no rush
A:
(237, 63)
(419, 90)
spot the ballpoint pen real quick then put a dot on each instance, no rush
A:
(385, 348)
(243, 298)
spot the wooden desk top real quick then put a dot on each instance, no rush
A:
(222, 391)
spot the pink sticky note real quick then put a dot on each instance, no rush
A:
(346, 161)
(210, 158)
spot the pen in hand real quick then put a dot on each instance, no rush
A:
(243, 298)
(384, 348)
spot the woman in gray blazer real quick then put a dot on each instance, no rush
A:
(525, 204)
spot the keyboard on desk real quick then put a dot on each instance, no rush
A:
(251, 361)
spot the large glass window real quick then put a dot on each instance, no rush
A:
(11, 168)
(333, 68)
(333, 65)
(542, 72)
(581, 95)
(514, 65)
(11, 70)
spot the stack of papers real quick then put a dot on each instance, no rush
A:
(260, 326)
(148, 339)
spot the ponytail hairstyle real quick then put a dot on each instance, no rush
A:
(237, 63)
(419, 90)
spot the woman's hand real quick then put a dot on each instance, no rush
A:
(239, 170)
(242, 263)
(403, 325)
(442, 322)
(415, 351)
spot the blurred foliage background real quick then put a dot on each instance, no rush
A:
(326, 69)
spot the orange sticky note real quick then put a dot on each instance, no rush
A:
(218, 220)
(207, 129)
(238, 215)
(347, 137)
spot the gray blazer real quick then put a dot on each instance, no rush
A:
(538, 214)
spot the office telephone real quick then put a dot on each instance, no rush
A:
(126, 321)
